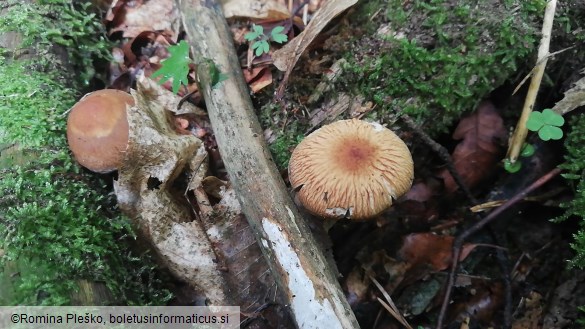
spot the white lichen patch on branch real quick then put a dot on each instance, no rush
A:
(309, 311)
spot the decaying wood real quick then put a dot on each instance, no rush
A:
(298, 265)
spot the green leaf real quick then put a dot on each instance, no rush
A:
(277, 30)
(277, 35)
(175, 67)
(250, 36)
(527, 150)
(553, 118)
(512, 167)
(535, 121)
(257, 31)
(261, 47)
(256, 44)
(221, 77)
(214, 73)
(550, 132)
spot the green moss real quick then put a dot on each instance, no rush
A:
(281, 148)
(32, 107)
(574, 172)
(49, 23)
(289, 131)
(435, 60)
(58, 225)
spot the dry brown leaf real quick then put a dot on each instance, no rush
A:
(483, 305)
(134, 17)
(258, 9)
(258, 77)
(286, 57)
(434, 250)
(476, 155)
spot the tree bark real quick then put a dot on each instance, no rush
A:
(297, 263)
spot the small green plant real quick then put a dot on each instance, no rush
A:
(547, 124)
(260, 44)
(526, 152)
(574, 173)
(176, 67)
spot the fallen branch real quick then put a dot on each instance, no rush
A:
(304, 278)
(458, 242)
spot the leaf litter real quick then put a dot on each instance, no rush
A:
(408, 268)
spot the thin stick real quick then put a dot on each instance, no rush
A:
(521, 131)
(458, 242)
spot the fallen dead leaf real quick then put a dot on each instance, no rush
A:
(483, 305)
(420, 205)
(258, 78)
(259, 9)
(214, 186)
(286, 57)
(434, 250)
(482, 134)
(134, 17)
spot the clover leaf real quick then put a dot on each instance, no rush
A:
(527, 150)
(260, 44)
(547, 124)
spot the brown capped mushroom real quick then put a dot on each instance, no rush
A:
(97, 129)
(350, 169)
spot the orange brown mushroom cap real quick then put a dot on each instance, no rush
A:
(97, 129)
(350, 168)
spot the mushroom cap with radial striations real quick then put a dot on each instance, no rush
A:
(97, 129)
(350, 169)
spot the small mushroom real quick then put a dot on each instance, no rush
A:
(350, 169)
(97, 129)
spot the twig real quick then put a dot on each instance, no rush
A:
(389, 304)
(458, 242)
(537, 64)
(521, 131)
(442, 153)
